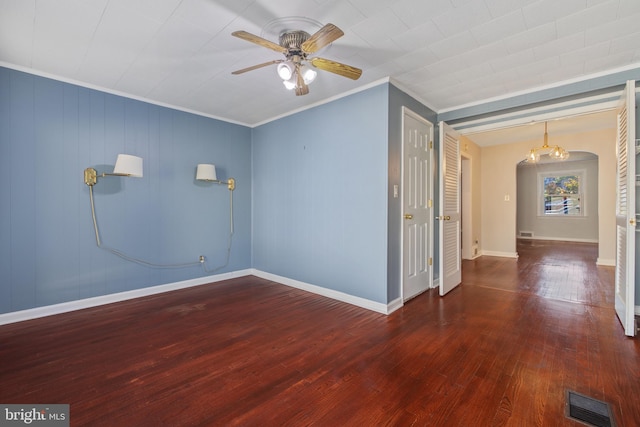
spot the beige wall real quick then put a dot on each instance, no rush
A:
(498, 181)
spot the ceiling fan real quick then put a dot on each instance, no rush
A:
(297, 69)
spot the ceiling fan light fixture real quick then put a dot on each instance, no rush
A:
(290, 84)
(286, 70)
(308, 74)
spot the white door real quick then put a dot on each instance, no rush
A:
(625, 211)
(449, 218)
(417, 275)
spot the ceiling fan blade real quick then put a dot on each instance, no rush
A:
(259, 41)
(337, 68)
(255, 67)
(301, 86)
(321, 38)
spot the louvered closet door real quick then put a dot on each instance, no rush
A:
(625, 211)
(449, 218)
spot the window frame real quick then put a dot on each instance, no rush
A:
(582, 182)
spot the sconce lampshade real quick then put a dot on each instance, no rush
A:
(206, 172)
(128, 165)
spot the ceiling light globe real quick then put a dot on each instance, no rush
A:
(308, 74)
(533, 157)
(285, 71)
(289, 84)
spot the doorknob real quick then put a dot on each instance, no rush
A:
(443, 218)
(408, 216)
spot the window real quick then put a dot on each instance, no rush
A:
(562, 194)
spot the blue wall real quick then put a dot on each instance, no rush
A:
(320, 195)
(50, 132)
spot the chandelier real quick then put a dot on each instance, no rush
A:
(555, 153)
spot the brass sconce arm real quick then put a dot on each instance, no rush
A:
(231, 183)
(91, 176)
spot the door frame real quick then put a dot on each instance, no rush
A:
(431, 174)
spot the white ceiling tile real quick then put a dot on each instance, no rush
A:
(416, 14)
(559, 46)
(580, 56)
(455, 45)
(587, 18)
(63, 54)
(531, 38)
(338, 12)
(16, 31)
(630, 42)
(599, 64)
(458, 20)
(160, 10)
(514, 60)
(539, 67)
(546, 11)
(628, 7)
(205, 15)
(417, 59)
(611, 30)
(565, 72)
(417, 37)
(176, 36)
(370, 7)
(498, 8)
(499, 28)
(381, 26)
(473, 71)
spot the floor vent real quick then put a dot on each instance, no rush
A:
(526, 233)
(588, 411)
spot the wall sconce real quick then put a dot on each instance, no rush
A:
(126, 165)
(207, 172)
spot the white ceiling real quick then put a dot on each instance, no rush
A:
(446, 53)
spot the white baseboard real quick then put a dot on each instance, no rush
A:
(330, 293)
(606, 262)
(559, 239)
(500, 254)
(637, 310)
(65, 307)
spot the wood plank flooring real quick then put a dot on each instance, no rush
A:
(501, 349)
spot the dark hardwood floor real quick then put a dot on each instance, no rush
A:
(501, 349)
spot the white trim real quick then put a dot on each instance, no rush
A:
(606, 262)
(114, 92)
(187, 110)
(531, 116)
(544, 87)
(330, 293)
(65, 307)
(500, 254)
(559, 239)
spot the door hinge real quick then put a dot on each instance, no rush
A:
(430, 261)
(430, 203)
(431, 144)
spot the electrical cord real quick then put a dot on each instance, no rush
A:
(201, 261)
(204, 263)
